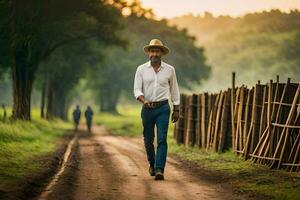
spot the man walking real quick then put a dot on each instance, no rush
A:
(88, 117)
(76, 117)
(154, 83)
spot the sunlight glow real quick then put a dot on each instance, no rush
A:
(172, 8)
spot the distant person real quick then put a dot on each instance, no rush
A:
(155, 82)
(4, 113)
(76, 117)
(88, 116)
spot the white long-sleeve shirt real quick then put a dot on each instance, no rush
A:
(156, 86)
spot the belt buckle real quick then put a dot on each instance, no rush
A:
(156, 104)
(151, 104)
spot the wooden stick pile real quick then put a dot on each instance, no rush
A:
(204, 120)
(261, 123)
(279, 145)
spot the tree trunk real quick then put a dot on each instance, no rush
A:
(56, 101)
(60, 106)
(109, 101)
(22, 78)
(43, 99)
(65, 115)
(50, 100)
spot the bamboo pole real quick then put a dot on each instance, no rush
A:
(232, 111)
(217, 121)
(223, 128)
(204, 112)
(284, 132)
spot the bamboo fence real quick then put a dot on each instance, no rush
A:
(261, 123)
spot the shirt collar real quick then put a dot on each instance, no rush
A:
(162, 64)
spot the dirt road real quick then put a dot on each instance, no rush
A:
(109, 167)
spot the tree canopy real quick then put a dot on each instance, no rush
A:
(32, 31)
(258, 46)
(114, 76)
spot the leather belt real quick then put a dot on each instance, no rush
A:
(156, 104)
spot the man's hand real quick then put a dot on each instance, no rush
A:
(175, 116)
(147, 104)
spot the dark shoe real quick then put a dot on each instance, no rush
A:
(151, 171)
(159, 175)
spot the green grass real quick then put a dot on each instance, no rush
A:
(126, 123)
(226, 161)
(244, 175)
(22, 143)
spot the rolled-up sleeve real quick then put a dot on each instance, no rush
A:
(138, 83)
(174, 90)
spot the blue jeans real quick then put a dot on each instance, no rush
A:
(159, 117)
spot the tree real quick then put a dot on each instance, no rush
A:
(257, 46)
(33, 30)
(114, 76)
(290, 52)
(59, 74)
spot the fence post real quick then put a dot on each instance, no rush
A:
(232, 110)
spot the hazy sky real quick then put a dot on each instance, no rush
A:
(172, 8)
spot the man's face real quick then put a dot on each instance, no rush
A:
(155, 55)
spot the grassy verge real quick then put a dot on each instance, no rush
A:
(244, 175)
(127, 123)
(22, 144)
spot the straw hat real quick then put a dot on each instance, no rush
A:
(156, 43)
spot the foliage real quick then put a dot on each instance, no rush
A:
(115, 75)
(31, 32)
(60, 73)
(258, 46)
